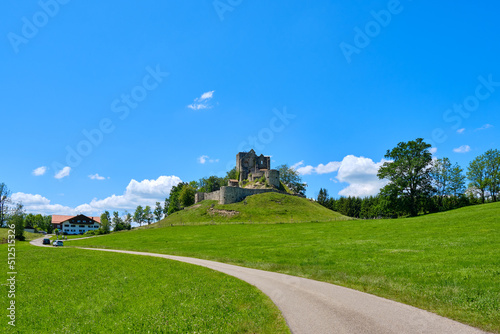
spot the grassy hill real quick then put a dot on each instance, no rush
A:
(262, 208)
(447, 263)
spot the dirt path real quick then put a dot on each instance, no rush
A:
(316, 307)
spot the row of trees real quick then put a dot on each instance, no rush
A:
(417, 183)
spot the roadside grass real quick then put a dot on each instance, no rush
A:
(29, 236)
(81, 291)
(447, 263)
(73, 236)
(262, 208)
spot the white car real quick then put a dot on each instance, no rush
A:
(58, 243)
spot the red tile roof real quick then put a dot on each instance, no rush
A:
(58, 219)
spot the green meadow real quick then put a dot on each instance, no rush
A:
(447, 263)
(67, 290)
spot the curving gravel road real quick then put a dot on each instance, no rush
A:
(316, 307)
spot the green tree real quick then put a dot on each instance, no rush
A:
(117, 222)
(291, 178)
(186, 196)
(440, 174)
(212, 183)
(29, 220)
(173, 201)
(158, 211)
(166, 204)
(105, 222)
(40, 222)
(231, 175)
(16, 220)
(148, 214)
(139, 215)
(456, 186)
(323, 197)
(478, 177)
(48, 224)
(409, 176)
(492, 162)
(127, 222)
(4, 201)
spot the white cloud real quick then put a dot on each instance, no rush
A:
(39, 171)
(40, 204)
(207, 95)
(330, 167)
(205, 158)
(361, 174)
(433, 150)
(297, 165)
(96, 176)
(462, 149)
(484, 127)
(202, 102)
(146, 192)
(63, 172)
(460, 131)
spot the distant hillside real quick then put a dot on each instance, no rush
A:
(262, 208)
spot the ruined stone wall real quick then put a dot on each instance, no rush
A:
(213, 196)
(230, 195)
(198, 197)
(273, 178)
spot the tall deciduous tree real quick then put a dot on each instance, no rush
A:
(139, 215)
(158, 211)
(148, 214)
(457, 181)
(440, 174)
(127, 222)
(186, 196)
(117, 222)
(409, 175)
(105, 222)
(291, 178)
(477, 176)
(492, 162)
(174, 204)
(165, 206)
(4, 200)
(17, 219)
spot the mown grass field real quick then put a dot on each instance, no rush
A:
(263, 208)
(447, 263)
(80, 291)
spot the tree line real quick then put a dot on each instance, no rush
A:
(419, 184)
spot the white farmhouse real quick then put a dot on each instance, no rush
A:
(75, 224)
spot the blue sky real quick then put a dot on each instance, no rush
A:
(106, 105)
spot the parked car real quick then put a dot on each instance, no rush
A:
(46, 241)
(57, 243)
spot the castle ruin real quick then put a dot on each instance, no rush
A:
(250, 168)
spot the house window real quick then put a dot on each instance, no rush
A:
(81, 226)
(72, 225)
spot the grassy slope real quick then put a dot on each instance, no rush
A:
(448, 263)
(79, 291)
(263, 208)
(29, 236)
